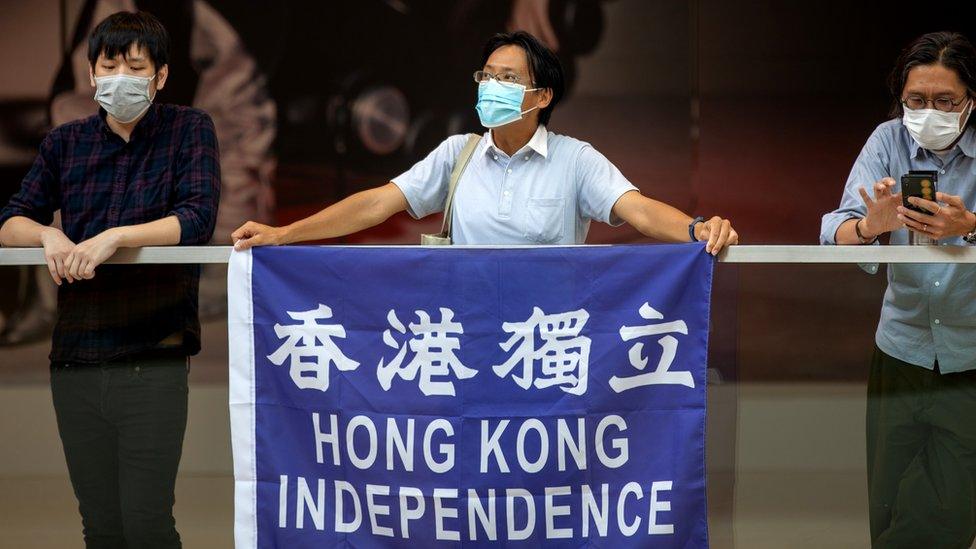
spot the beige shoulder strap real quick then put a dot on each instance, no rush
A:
(462, 162)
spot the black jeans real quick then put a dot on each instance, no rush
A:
(122, 426)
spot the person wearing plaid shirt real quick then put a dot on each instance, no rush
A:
(136, 174)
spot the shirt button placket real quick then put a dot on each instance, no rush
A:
(118, 190)
(506, 202)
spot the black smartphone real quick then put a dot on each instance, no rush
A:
(921, 184)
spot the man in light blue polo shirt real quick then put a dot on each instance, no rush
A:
(921, 422)
(523, 184)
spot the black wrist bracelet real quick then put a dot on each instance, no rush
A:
(861, 237)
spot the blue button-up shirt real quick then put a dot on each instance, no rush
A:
(546, 193)
(929, 310)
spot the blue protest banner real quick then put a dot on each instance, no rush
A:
(427, 397)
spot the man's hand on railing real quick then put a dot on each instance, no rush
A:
(255, 234)
(717, 233)
(81, 262)
(57, 247)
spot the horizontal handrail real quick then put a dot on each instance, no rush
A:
(735, 254)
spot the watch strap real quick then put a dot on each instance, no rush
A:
(691, 227)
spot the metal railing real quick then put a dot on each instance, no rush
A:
(735, 254)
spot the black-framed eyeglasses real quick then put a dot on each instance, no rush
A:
(944, 104)
(505, 78)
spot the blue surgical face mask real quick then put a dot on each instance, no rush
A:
(500, 104)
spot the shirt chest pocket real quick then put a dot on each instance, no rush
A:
(151, 193)
(543, 220)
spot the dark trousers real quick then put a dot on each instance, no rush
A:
(122, 426)
(921, 449)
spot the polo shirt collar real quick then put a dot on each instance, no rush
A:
(538, 143)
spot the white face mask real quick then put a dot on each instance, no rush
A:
(933, 129)
(123, 96)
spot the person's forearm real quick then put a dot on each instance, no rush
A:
(22, 231)
(357, 212)
(846, 234)
(664, 222)
(162, 232)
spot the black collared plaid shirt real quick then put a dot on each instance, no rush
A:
(170, 166)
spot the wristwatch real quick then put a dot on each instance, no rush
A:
(970, 237)
(691, 227)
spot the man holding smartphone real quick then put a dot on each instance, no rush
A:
(921, 435)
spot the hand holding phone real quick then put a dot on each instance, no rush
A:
(920, 184)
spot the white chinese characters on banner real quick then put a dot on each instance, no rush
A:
(435, 346)
(669, 348)
(311, 340)
(545, 350)
(563, 354)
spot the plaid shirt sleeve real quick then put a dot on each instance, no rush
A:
(39, 195)
(197, 183)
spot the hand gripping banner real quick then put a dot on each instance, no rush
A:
(418, 397)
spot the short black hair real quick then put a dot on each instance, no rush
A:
(118, 32)
(952, 50)
(544, 66)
